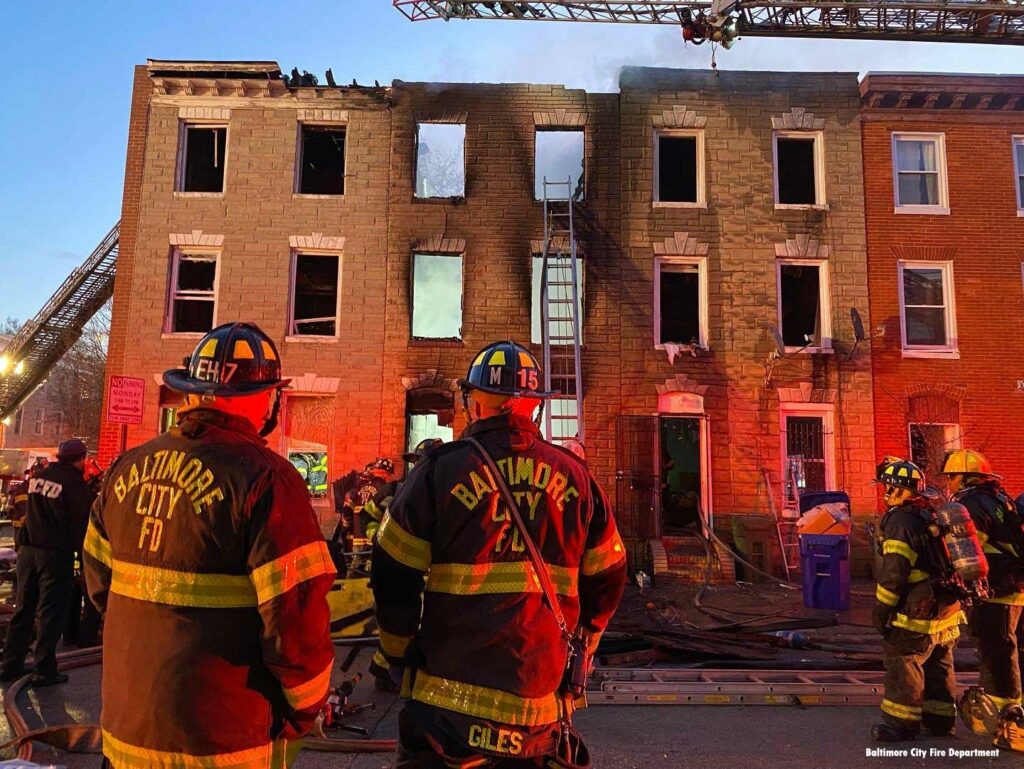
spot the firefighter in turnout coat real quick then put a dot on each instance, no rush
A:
(918, 618)
(204, 554)
(458, 601)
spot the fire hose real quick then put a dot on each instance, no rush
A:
(87, 738)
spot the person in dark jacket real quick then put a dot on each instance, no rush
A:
(206, 558)
(918, 618)
(997, 623)
(52, 532)
(458, 601)
(17, 504)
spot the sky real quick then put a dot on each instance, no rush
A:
(68, 73)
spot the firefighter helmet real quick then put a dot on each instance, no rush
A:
(978, 711)
(72, 449)
(967, 462)
(421, 449)
(234, 359)
(380, 463)
(506, 368)
(1010, 730)
(893, 471)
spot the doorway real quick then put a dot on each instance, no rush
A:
(682, 473)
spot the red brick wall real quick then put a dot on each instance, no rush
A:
(983, 236)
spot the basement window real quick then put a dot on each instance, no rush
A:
(804, 306)
(799, 169)
(559, 158)
(437, 296)
(679, 168)
(919, 173)
(929, 442)
(927, 316)
(440, 160)
(680, 301)
(559, 298)
(322, 160)
(193, 295)
(314, 300)
(203, 157)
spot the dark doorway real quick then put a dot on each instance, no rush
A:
(681, 489)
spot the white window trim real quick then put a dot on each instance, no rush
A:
(179, 173)
(412, 298)
(824, 303)
(293, 261)
(950, 350)
(827, 412)
(706, 497)
(297, 181)
(176, 253)
(703, 317)
(698, 133)
(416, 160)
(942, 208)
(956, 443)
(820, 195)
(1017, 140)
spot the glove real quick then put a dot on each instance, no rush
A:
(880, 616)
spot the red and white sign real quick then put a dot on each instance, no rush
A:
(125, 400)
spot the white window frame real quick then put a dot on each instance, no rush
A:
(955, 443)
(951, 348)
(824, 303)
(703, 322)
(297, 181)
(698, 133)
(942, 207)
(39, 422)
(179, 173)
(1018, 168)
(827, 413)
(294, 255)
(412, 299)
(177, 253)
(820, 194)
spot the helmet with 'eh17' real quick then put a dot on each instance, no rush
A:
(893, 471)
(967, 462)
(232, 360)
(505, 368)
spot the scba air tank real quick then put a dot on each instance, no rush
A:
(961, 538)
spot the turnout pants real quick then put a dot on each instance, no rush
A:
(998, 629)
(920, 685)
(45, 581)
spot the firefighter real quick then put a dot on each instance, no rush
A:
(205, 556)
(17, 503)
(388, 679)
(458, 602)
(55, 522)
(917, 615)
(997, 623)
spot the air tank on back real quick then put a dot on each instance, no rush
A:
(963, 546)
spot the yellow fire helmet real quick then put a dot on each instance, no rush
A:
(967, 462)
(893, 471)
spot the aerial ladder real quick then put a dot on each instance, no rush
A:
(560, 291)
(26, 361)
(722, 21)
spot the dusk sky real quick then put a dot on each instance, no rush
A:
(68, 72)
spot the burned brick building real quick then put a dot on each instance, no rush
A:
(383, 235)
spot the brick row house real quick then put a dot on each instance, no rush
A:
(383, 235)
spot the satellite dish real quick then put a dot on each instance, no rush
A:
(858, 326)
(780, 345)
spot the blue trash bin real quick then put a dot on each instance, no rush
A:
(825, 562)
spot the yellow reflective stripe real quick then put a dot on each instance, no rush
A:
(403, 546)
(886, 596)
(483, 702)
(938, 708)
(380, 660)
(903, 712)
(603, 557)
(125, 756)
(394, 645)
(181, 588)
(371, 509)
(1006, 548)
(1014, 599)
(489, 578)
(97, 546)
(304, 563)
(929, 626)
(916, 575)
(1002, 702)
(899, 548)
(308, 694)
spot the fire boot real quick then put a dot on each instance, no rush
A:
(1010, 731)
(978, 712)
(886, 732)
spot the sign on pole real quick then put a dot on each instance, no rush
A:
(125, 400)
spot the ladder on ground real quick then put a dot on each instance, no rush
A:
(560, 290)
(39, 344)
(784, 531)
(692, 686)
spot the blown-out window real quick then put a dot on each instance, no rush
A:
(314, 300)
(804, 305)
(679, 168)
(437, 296)
(799, 168)
(440, 160)
(202, 158)
(322, 160)
(559, 158)
(192, 304)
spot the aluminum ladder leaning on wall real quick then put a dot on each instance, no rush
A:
(560, 290)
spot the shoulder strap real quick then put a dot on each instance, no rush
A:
(538, 562)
